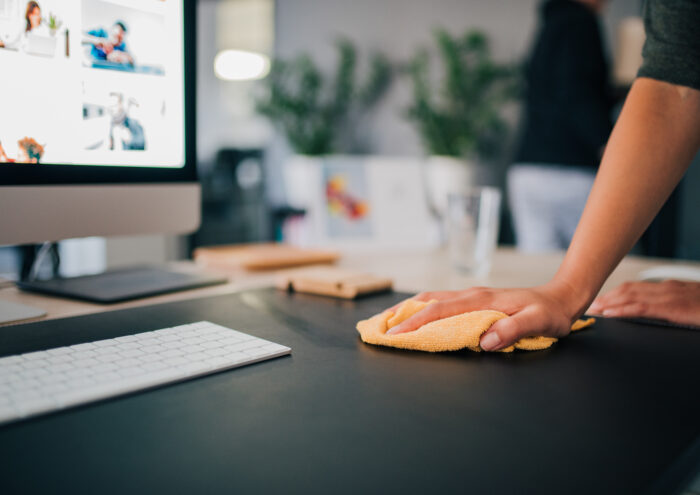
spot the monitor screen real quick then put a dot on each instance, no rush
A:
(92, 83)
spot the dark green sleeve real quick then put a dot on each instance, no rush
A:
(672, 49)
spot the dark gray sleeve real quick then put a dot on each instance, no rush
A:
(672, 48)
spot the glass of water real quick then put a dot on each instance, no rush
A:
(472, 221)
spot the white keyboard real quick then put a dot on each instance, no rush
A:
(45, 381)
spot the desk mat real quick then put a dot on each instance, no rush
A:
(611, 410)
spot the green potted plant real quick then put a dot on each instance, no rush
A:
(460, 119)
(318, 114)
(312, 109)
(53, 23)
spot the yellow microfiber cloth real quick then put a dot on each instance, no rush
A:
(449, 334)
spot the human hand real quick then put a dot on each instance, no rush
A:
(105, 46)
(672, 300)
(547, 310)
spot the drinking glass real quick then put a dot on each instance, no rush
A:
(472, 229)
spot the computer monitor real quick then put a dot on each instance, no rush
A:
(97, 128)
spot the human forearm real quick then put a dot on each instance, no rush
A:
(652, 144)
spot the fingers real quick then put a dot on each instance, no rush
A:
(631, 292)
(423, 296)
(438, 311)
(429, 296)
(396, 306)
(426, 315)
(671, 300)
(534, 320)
(632, 310)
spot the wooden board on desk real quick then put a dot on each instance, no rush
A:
(334, 282)
(268, 256)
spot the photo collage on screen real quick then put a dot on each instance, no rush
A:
(92, 82)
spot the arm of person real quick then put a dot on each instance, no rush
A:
(654, 141)
(94, 36)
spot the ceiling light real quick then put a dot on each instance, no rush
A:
(239, 65)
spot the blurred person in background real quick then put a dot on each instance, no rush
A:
(567, 122)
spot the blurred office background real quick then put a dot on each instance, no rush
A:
(242, 155)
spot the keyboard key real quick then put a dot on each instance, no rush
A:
(58, 351)
(32, 356)
(126, 346)
(154, 366)
(108, 376)
(175, 361)
(251, 344)
(150, 357)
(131, 353)
(129, 371)
(110, 349)
(34, 373)
(215, 352)
(127, 362)
(108, 358)
(105, 343)
(194, 368)
(10, 360)
(82, 347)
(255, 352)
(85, 363)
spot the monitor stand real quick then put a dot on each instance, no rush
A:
(11, 312)
(121, 285)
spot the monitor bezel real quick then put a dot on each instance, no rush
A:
(44, 174)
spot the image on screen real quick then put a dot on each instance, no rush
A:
(92, 82)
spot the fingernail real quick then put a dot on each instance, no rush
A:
(490, 341)
(392, 331)
(609, 312)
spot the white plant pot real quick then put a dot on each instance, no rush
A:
(302, 177)
(303, 181)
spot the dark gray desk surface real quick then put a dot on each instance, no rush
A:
(615, 409)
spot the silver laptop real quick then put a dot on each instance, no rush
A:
(40, 45)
